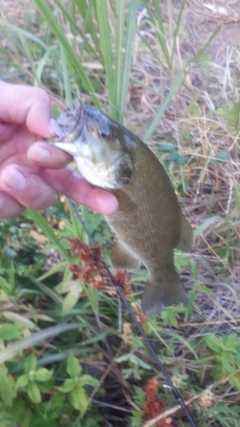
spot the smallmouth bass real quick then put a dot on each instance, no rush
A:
(149, 223)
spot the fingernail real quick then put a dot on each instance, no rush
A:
(15, 179)
(40, 154)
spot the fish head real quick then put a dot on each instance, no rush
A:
(99, 145)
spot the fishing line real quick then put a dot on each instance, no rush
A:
(139, 327)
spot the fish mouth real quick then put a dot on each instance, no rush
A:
(70, 124)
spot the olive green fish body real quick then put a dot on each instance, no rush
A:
(149, 223)
(148, 227)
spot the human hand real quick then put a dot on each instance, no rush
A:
(30, 169)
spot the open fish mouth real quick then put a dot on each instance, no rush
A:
(70, 124)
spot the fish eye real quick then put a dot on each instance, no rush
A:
(104, 134)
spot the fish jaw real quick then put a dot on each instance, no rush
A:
(101, 160)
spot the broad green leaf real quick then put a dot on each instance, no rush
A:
(34, 392)
(137, 361)
(42, 375)
(74, 368)
(8, 391)
(79, 399)
(228, 361)
(87, 379)
(22, 381)
(213, 342)
(3, 373)
(234, 380)
(67, 386)
(30, 363)
(8, 332)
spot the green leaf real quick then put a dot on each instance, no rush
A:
(213, 342)
(43, 375)
(74, 368)
(68, 385)
(137, 361)
(157, 117)
(30, 363)
(3, 373)
(76, 67)
(8, 332)
(40, 221)
(228, 361)
(79, 399)
(87, 379)
(183, 341)
(234, 380)
(34, 393)
(71, 299)
(105, 40)
(43, 335)
(206, 224)
(22, 381)
(8, 391)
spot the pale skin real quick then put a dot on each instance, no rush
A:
(31, 170)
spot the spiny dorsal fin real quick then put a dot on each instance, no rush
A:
(186, 235)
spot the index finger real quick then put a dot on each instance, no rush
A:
(26, 104)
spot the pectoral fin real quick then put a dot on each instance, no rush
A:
(121, 258)
(186, 235)
(126, 205)
(158, 295)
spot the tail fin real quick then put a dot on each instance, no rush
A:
(158, 294)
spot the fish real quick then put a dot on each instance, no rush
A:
(149, 223)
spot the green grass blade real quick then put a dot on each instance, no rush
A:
(205, 225)
(160, 31)
(24, 33)
(105, 40)
(86, 11)
(130, 35)
(77, 69)
(43, 61)
(154, 54)
(176, 31)
(162, 36)
(77, 226)
(46, 290)
(201, 51)
(66, 78)
(119, 42)
(13, 349)
(183, 341)
(38, 219)
(153, 125)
